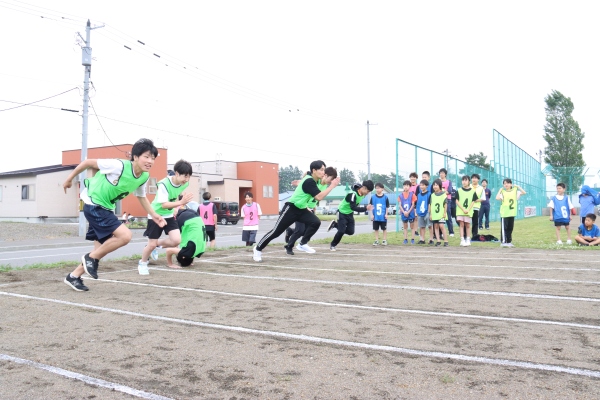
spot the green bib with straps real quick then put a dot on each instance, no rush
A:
(105, 194)
(437, 206)
(173, 193)
(508, 207)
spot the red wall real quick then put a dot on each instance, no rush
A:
(130, 203)
(261, 174)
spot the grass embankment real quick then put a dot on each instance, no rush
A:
(533, 233)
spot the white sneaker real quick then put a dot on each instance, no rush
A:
(569, 242)
(143, 268)
(154, 254)
(462, 242)
(559, 242)
(384, 243)
(306, 248)
(257, 255)
(452, 235)
(376, 243)
(468, 242)
(510, 245)
(332, 248)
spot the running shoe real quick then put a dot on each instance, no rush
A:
(76, 283)
(406, 241)
(376, 243)
(143, 268)
(384, 243)
(154, 254)
(306, 248)
(332, 224)
(257, 255)
(90, 265)
(289, 250)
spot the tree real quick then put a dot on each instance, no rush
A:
(565, 141)
(388, 180)
(346, 177)
(478, 160)
(286, 176)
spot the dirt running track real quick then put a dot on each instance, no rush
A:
(359, 323)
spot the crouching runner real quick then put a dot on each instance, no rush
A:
(193, 239)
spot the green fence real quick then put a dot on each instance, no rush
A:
(510, 161)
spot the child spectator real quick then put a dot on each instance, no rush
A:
(350, 204)
(193, 239)
(380, 203)
(406, 206)
(560, 212)
(465, 199)
(480, 197)
(509, 197)
(484, 211)
(251, 213)
(422, 207)
(114, 180)
(438, 211)
(447, 187)
(168, 197)
(588, 233)
(208, 212)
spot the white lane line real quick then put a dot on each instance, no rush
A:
(418, 274)
(85, 379)
(359, 307)
(313, 258)
(42, 256)
(322, 340)
(50, 246)
(378, 285)
(414, 249)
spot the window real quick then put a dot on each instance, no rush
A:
(28, 192)
(268, 191)
(152, 186)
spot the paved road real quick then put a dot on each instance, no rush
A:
(70, 250)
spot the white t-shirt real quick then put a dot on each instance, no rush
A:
(560, 198)
(112, 168)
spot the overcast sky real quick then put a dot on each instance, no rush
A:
(290, 82)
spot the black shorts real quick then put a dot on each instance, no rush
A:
(153, 231)
(102, 223)
(561, 223)
(379, 224)
(210, 232)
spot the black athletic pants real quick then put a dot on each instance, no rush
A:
(298, 232)
(345, 227)
(290, 214)
(508, 224)
(475, 224)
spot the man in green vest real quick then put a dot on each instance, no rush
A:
(346, 209)
(114, 180)
(296, 209)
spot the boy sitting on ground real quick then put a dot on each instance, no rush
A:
(588, 234)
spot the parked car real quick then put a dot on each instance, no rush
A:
(227, 211)
(319, 210)
(332, 211)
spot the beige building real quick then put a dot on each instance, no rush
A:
(36, 194)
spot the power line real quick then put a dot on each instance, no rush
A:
(105, 134)
(37, 101)
(37, 105)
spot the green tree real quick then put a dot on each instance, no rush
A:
(286, 176)
(346, 176)
(565, 141)
(479, 160)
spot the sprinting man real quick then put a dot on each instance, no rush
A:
(114, 180)
(297, 210)
(193, 239)
(167, 194)
(346, 209)
(560, 212)
(251, 213)
(208, 212)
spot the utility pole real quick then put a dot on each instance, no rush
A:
(86, 61)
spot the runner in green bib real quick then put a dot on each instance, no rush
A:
(350, 204)
(480, 192)
(169, 197)
(193, 239)
(114, 180)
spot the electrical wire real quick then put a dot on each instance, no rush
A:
(37, 101)
(37, 105)
(105, 134)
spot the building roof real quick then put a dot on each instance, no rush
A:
(38, 170)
